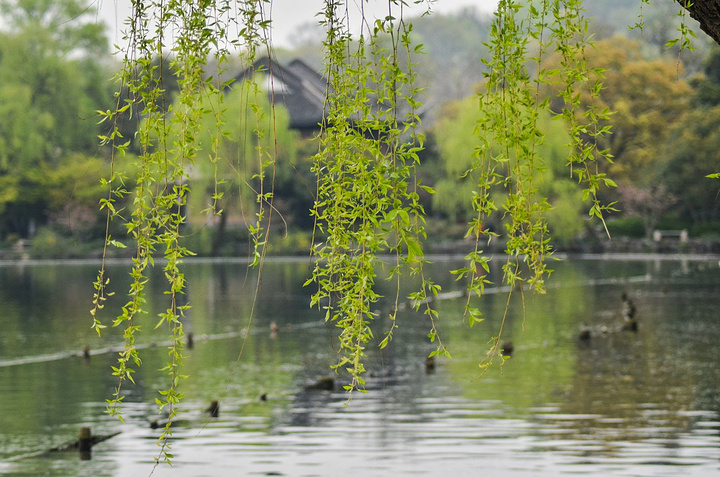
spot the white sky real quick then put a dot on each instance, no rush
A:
(288, 15)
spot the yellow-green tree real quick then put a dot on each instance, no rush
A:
(565, 215)
(646, 97)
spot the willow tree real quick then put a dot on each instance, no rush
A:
(706, 13)
(366, 202)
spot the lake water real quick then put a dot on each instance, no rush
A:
(622, 403)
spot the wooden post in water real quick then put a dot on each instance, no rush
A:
(85, 443)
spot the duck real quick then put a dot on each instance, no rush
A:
(507, 349)
(430, 364)
(628, 313)
(213, 409)
(628, 307)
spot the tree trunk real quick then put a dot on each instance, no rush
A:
(707, 13)
(219, 234)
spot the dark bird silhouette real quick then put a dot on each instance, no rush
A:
(430, 364)
(507, 348)
(628, 307)
(213, 409)
(628, 313)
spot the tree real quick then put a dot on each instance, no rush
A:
(55, 27)
(707, 87)
(451, 191)
(707, 13)
(51, 84)
(56, 93)
(691, 154)
(646, 98)
(53, 48)
(367, 202)
(648, 204)
(53, 193)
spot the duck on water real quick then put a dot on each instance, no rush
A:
(628, 312)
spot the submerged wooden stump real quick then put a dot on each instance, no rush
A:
(323, 384)
(84, 443)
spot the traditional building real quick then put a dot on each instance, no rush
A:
(297, 86)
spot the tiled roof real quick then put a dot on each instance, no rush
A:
(300, 89)
(297, 87)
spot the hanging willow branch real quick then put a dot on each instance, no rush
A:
(167, 141)
(507, 164)
(367, 202)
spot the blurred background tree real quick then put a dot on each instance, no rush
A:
(54, 74)
(55, 64)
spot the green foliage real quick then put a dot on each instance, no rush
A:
(507, 159)
(49, 97)
(707, 230)
(565, 216)
(707, 87)
(502, 143)
(50, 86)
(227, 150)
(57, 91)
(646, 98)
(58, 27)
(293, 242)
(49, 244)
(691, 154)
(367, 200)
(170, 146)
(23, 140)
(627, 227)
(62, 194)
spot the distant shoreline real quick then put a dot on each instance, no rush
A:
(434, 255)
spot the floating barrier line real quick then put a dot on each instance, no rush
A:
(44, 358)
(506, 289)
(452, 295)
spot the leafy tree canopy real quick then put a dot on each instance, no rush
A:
(646, 98)
(56, 27)
(51, 83)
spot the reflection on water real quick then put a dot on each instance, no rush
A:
(621, 403)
